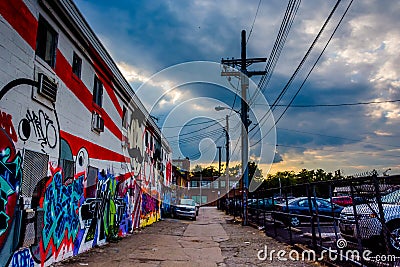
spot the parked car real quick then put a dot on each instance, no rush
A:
(185, 208)
(299, 210)
(263, 203)
(343, 201)
(282, 199)
(370, 227)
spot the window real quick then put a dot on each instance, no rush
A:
(97, 91)
(76, 65)
(124, 117)
(194, 184)
(205, 184)
(46, 42)
(222, 184)
(215, 184)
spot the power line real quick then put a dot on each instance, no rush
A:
(333, 150)
(315, 63)
(286, 87)
(339, 105)
(338, 137)
(191, 124)
(254, 21)
(287, 22)
(197, 137)
(195, 131)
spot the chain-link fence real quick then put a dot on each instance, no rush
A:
(353, 221)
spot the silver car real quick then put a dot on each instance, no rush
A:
(186, 208)
(370, 227)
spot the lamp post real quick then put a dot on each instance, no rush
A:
(245, 146)
(219, 108)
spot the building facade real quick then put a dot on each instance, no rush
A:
(81, 160)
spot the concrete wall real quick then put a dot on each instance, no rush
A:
(114, 178)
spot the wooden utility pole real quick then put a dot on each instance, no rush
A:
(244, 75)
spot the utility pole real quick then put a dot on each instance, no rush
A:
(227, 154)
(219, 160)
(244, 74)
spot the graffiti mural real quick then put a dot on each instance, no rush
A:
(7, 125)
(60, 205)
(135, 142)
(41, 125)
(150, 210)
(131, 217)
(58, 192)
(22, 258)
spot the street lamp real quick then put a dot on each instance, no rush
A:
(245, 152)
(219, 108)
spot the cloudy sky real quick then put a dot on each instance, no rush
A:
(360, 65)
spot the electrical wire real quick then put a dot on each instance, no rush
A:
(287, 22)
(286, 87)
(191, 124)
(338, 137)
(269, 112)
(254, 21)
(197, 137)
(333, 150)
(339, 105)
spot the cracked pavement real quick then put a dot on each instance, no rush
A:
(212, 240)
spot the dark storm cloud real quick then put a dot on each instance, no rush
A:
(361, 63)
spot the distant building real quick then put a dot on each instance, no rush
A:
(182, 164)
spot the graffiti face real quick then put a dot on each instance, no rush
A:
(82, 161)
(135, 147)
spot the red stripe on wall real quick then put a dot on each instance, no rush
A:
(113, 97)
(94, 151)
(77, 87)
(21, 19)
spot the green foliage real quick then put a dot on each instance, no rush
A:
(290, 178)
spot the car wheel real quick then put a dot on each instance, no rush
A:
(394, 240)
(294, 221)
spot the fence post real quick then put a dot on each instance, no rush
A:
(290, 217)
(385, 230)
(333, 211)
(313, 234)
(359, 243)
(317, 215)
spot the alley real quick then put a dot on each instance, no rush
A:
(212, 240)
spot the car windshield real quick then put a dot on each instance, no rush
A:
(188, 202)
(392, 198)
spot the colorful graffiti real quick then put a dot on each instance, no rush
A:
(131, 217)
(10, 180)
(150, 210)
(50, 216)
(61, 210)
(22, 258)
(7, 125)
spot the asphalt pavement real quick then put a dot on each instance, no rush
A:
(214, 239)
